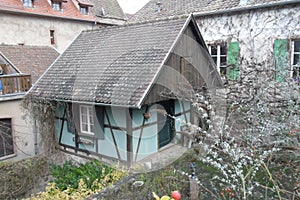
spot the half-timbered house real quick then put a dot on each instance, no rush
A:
(123, 92)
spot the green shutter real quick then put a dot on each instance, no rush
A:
(233, 61)
(280, 54)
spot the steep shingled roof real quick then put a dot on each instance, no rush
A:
(111, 9)
(184, 7)
(33, 60)
(112, 65)
(69, 9)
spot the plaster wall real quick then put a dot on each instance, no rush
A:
(255, 30)
(32, 30)
(22, 128)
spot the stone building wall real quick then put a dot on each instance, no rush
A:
(255, 30)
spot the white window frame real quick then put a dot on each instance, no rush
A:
(89, 115)
(293, 53)
(218, 55)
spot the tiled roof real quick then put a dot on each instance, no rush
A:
(114, 65)
(69, 9)
(184, 7)
(111, 9)
(33, 60)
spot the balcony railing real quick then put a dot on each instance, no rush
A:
(11, 84)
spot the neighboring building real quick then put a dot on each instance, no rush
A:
(114, 87)
(20, 66)
(241, 33)
(54, 22)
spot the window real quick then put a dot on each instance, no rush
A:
(6, 138)
(219, 54)
(84, 10)
(28, 3)
(56, 6)
(226, 57)
(296, 59)
(87, 124)
(52, 37)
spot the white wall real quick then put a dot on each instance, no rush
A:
(22, 128)
(29, 30)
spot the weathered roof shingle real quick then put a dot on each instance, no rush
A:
(33, 60)
(113, 65)
(184, 7)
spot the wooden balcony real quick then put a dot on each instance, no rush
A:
(13, 84)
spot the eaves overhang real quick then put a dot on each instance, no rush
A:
(245, 8)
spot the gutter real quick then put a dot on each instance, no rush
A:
(58, 17)
(244, 8)
(91, 103)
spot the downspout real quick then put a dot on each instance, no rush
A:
(35, 133)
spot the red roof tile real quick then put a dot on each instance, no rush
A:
(33, 60)
(42, 7)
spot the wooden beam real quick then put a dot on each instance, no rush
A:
(141, 135)
(129, 136)
(112, 134)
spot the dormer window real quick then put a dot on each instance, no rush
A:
(84, 6)
(84, 10)
(56, 6)
(28, 3)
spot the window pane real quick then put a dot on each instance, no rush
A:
(223, 60)
(297, 46)
(223, 71)
(92, 128)
(215, 59)
(84, 119)
(223, 50)
(214, 50)
(296, 72)
(84, 127)
(296, 59)
(91, 120)
(6, 139)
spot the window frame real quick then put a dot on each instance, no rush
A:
(219, 55)
(55, 5)
(89, 113)
(85, 8)
(293, 53)
(52, 37)
(12, 136)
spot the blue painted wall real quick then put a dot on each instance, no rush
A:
(116, 117)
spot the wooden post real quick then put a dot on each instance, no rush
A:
(129, 136)
(194, 189)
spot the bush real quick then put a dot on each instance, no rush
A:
(18, 178)
(78, 181)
